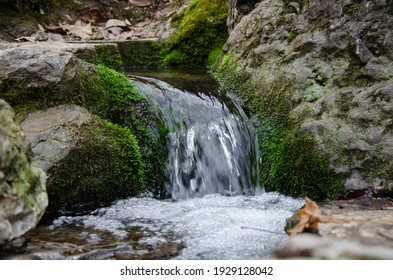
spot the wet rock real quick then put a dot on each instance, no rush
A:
(52, 133)
(23, 197)
(335, 58)
(308, 246)
(39, 79)
(368, 234)
(47, 67)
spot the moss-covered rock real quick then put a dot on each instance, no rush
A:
(141, 53)
(105, 93)
(317, 78)
(90, 162)
(23, 196)
(201, 30)
(104, 54)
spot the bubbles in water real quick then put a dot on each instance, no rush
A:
(212, 227)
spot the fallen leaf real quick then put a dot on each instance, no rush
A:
(54, 28)
(78, 30)
(309, 218)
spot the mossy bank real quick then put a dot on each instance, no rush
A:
(115, 151)
(316, 77)
(290, 161)
(201, 32)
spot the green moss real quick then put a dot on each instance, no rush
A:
(107, 166)
(297, 168)
(351, 9)
(212, 57)
(201, 29)
(111, 96)
(312, 90)
(290, 161)
(105, 54)
(141, 53)
(353, 77)
(292, 35)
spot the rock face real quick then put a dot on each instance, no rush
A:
(327, 66)
(23, 197)
(38, 65)
(78, 151)
(53, 133)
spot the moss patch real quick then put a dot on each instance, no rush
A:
(201, 29)
(290, 161)
(111, 96)
(291, 36)
(351, 9)
(296, 167)
(105, 54)
(107, 166)
(141, 53)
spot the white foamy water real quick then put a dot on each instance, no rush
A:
(212, 227)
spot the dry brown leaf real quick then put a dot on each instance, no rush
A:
(310, 218)
(79, 30)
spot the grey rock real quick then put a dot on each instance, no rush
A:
(23, 197)
(341, 65)
(52, 133)
(314, 247)
(356, 182)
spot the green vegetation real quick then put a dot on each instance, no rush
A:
(107, 55)
(292, 35)
(141, 54)
(296, 167)
(107, 166)
(201, 30)
(111, 96)
(351, 9)
(290, 160)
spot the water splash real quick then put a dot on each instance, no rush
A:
(211, 227)
(212, 149)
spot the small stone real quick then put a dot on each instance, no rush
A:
(115, 23)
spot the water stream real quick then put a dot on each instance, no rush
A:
(214, 207)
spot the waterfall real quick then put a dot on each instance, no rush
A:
(212, 147)
(213, 210)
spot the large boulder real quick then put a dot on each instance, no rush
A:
(318, 75)
(34, 66)
(83, 157)
(23, 197)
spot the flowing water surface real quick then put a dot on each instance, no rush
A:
(214, 207)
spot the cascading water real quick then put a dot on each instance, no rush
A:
(214, 210)
(211, 148)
